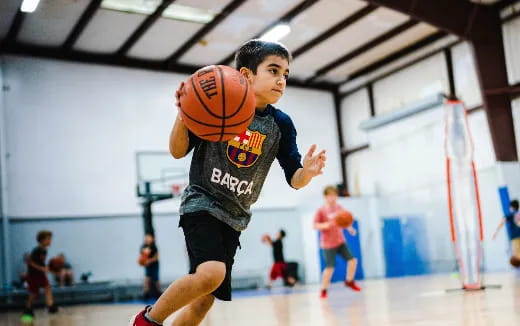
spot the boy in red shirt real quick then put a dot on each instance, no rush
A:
(333, 241)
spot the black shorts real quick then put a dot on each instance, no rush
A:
(152, 271)
(209, 239)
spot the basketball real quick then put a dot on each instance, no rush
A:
(56, 264)
(344, 219)
(217, 103)
(143, 258)
(514, 261)
(266, 238)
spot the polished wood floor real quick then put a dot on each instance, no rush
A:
(403, 301)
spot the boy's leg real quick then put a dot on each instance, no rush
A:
(211, 247)
(49, 300)
(33, 289)
(195, 312)
(345, 252)
(208, 276)
(330, 263)
(351, 269)
(326, 276)
(30, 300)
(272, 276)
(146, 286)
(515, 247)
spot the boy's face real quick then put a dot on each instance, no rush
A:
(331, 198)
(270, 80)
(46, 242)
(148, 239)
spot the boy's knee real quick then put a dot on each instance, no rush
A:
(211, 274)
(201, 306)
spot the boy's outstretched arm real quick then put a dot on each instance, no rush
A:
(500, 225)
(312, 166)
(179, 138)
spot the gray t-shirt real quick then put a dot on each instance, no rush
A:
(226, 177)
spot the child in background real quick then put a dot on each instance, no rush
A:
(279, 268)
(36, 274)
(333, 241)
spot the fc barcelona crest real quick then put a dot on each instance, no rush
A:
(244, 149)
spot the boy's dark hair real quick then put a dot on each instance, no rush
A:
(282, 233)
(514, 204)
(253, 52)
(42, 235)
(330, 189)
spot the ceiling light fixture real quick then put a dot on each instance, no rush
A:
(276, 33)
(29, 5)
(174, 11)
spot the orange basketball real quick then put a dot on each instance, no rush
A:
(514, 261)
(142, 259)
(217, 103)
(344, 219)
(56, 264)
(266, 238)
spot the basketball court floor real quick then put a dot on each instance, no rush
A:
(421, 300)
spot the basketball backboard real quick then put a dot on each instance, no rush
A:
(159, 174)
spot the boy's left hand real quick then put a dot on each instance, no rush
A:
(313, 164)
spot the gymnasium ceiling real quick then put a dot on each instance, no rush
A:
(332, 41)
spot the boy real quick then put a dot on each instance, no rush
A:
(513, 228)
(279, 268)
(213, 215)
(63, 276)
(151, 286)
(333, 241)
(36, 274)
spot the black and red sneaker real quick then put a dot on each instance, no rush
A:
(323, 294)
(140, 319)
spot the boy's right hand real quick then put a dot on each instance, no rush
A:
(178, 94)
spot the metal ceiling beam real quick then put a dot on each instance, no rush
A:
(512, 16)
(230, 8)
(339, 129)
(15, 27)
(505, 3)
(397, 55)
(492, 73)
(482, 26)
(451, 76)
(456, 17)
(399, 68)
(335, 29)
(365, 47)
(109, 59)
(81, 24)
(145, 25)
(513, 91)
(304, 5)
